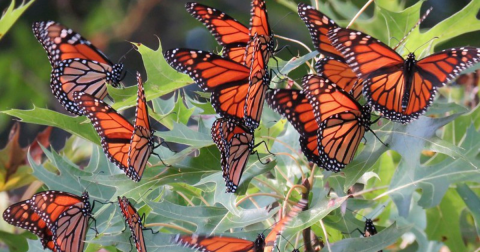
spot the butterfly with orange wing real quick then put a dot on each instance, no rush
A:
(134, 222)
(400, 89)
(237, 91)
(235, 144)
(230, 244)
(260, 29)
(77, 65)
(126, 145)
(333, 65)
(341, 120)
(21, 215)
(60, 219)
(294, 105)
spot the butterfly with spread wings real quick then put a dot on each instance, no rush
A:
(230, 244)
(333, 65)
(400, 89)
(77, 65)
(126, 145)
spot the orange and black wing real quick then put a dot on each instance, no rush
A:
(271, 239)
(259, 81)
(77, 65)
(259, 27)
(227, 80)
(341, 74)
(141, 143)
(66, 215)
(342, 121)
(400, 89)
(219, 243)
(235, 144)
(333, 65)
(294, 105)
(134, 222)
(318, 25)
(228, 32)
(22, 215)
(114, 130)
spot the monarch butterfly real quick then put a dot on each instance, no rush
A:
(342, 122)
(230, 244)
(294, 105)
(228, 32)
(260, 28)
(134, 221)
(77, 65)
(126, 145)
(64, 218)
(333, 65)
(369, 229)
(21, 214)
(235, 144)
(237, 91)
(400, 89)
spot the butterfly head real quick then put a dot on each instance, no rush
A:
(116, 75)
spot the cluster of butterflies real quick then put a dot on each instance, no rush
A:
(326, 112)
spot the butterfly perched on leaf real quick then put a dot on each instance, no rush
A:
(77, 65)
(59, 219)
(230, 244)
(400, 89)
(126, 145)
(134, 222)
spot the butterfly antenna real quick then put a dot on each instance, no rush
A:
(143, 220)
(413, 28)
(266, 147)
(161, 160)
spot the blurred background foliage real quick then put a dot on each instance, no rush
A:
(110, 24)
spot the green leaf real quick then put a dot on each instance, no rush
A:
(11, 15)
(443, 222)
(15, 242)
(79, 126)
(162, 79)
(184, 135)
(472, 201)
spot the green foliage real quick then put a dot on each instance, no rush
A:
(420, 179)
(11, 14)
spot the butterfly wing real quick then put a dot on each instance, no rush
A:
(235, 144)
(318, 25)
(271, 239)
(22, 215)
(259, 81)
(342, 121)
(294, 105)
(259, 27)
(71, 228)
(341, 74)
(228, 32)
(141, 143)
(114, 130)
(227, 80)
(134, 221)
(216, 243)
